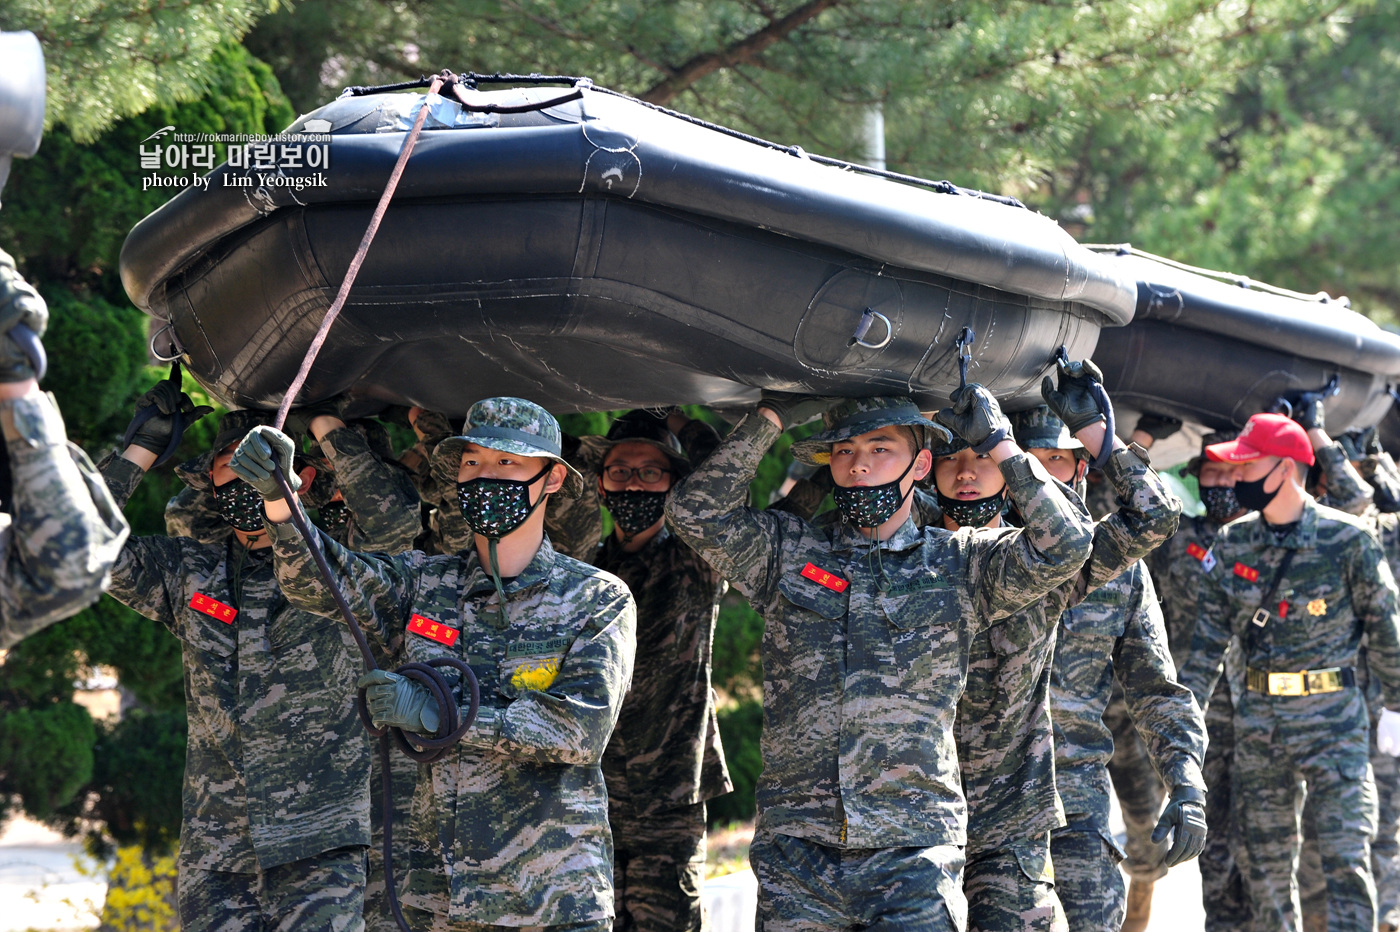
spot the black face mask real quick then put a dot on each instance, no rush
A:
(1251, 495)
(870, 505)
(335, 518)
(635, 511)
(240, 505)
(976, 512)
(495, 507)
(1221, 503)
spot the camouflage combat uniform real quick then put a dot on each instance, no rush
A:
(1004, 728)
(510, 826)
(1337, 588)
(60, 531)
(1385, 852)
(1116, 633)
(664, 759)
(865, 653)
(276, 796)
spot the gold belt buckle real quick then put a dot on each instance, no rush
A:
(1287, 684)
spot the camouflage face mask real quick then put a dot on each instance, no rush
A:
(870, 505)
(334, 518)
(495, 507)
(240, 505)
(976, 512)
(635, 511)
(1220, 503)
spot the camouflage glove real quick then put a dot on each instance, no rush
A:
(1074, 402)
(162, 414)
(1158, 426)
(793, 409)
(975, 416)
(257, 453)
(299, 419)
(21, 305)
(395, 701)
(1185, 818)
(1308, 411)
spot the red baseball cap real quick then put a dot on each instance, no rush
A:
(1265, 435)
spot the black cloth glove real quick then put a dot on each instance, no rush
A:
(1357, 443)
(1308, 411)
(976, 417)
(299, 420)
(1073, 402)
(160, 414)
(1185, 819)
(256, 455)
(395, 701)
(19, 304)
(1158, 426)
(793, 409)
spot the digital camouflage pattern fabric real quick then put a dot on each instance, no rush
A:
(510, 826)
(60, 531)
(805, 885)
(1004, 729)
(1116, 633)
(1338, 588)
(1013, 886)
(877, 635)
(664, 758)
(1177, 567)
(1346, 490)
(277, 766)
(316, 894)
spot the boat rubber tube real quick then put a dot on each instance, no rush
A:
(603, 254)
(1213, 353)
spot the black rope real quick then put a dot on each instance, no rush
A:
(472, 79)
(451, 724)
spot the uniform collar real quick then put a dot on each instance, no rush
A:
(612, 547)
(1302, 537)
(536, 572)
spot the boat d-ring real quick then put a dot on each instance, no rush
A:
(868, 317)
(174, 343)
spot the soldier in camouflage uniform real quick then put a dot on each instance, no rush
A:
(1114, 633)
(1295, 588)
(364, 499)
(1004, 729)
(510, 826)
(664, 760)
(868, 622)
(276, 796)
(60, 531)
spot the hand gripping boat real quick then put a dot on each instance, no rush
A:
(600, 253)
(1212, 349)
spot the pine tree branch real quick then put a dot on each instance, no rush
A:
(745, 50)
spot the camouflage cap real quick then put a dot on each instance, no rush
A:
(236, 424)
(511, 425)
(1193, 466)
(856, 416)
(1039, 429)
(641, 426)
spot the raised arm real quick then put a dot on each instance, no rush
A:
(379, 494)
(1374, 600)
(1146, 518)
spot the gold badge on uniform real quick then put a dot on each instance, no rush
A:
(539, 675)
(1317, 607)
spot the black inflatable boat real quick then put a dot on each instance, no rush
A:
(1213, 348)
(601, 253)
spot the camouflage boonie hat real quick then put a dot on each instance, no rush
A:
(511, 425)
(1040, 429)
(856, 416)
(236, 424)
(640, 426)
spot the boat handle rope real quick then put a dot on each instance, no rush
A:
(964, 344)
(452, 725)
(1110, 422)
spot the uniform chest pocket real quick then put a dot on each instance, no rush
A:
(211, 625)
(909, 607)
(814, 597)
(1097, 616)
(923, 625)
(534, 672)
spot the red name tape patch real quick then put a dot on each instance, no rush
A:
(432, 630)
(822, 577)
(1196, 550)
(214, 608)
(1282, 610)
(1246, 572)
